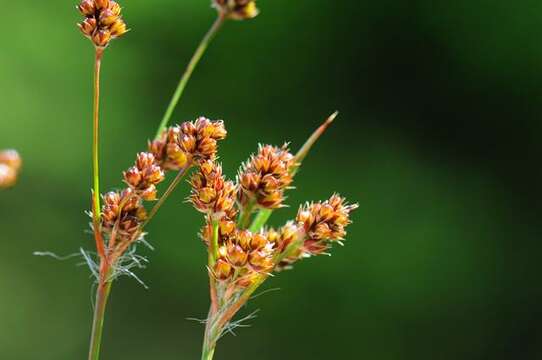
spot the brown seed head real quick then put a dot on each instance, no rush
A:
(8, 176)
(265, 176)
(324, 222)
(237, 9)
(211, 193)
(103, 21)
(11, 158)
(144, 176)
(10, 164)
(180, 145)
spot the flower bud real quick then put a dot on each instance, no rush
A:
(88, 26)
(107, 17)
(236, 255)
(149, 194)
(101, 38)
(223, 270)
(132, 176)
(118, 28)
(101, 4)
(8, 176)
(86, 7)
(11, 158)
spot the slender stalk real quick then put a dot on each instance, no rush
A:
(168, 192)
(260, 220)
(102, 295)
(208, 349)
(245, 213)
(96, 136)
(95, 154)
(213, 246)
(188, 72)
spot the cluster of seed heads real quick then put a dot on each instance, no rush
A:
(265, 176)
(241, 255)
(237, 9)
(103, 21)
(191, 142)
(10, 165)
(123, 212)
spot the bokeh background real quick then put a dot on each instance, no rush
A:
(438, 140)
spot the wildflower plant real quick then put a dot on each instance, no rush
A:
(242, 252)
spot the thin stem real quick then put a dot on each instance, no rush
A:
(260, 220)
(96, 137)
(209, 345)
(304, 151)
(96, 212)
(245, 213)
(213, 246)
(168, 192)
(188, 72)
(102, 295)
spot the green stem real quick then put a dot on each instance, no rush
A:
(168, 192)
(213, 246)
(188, 73)
(102, 295)
(245, 213)
(260, 220)
(209, 344)
(96, 137)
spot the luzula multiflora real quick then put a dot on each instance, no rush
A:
(240, 260)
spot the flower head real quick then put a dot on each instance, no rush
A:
(181, 145)
(211, 193)
(237, 9)
(265, 176)
(10, 164)
(103, 21)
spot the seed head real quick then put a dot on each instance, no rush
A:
(11, 158)
(326, 220)
(265, 176)
(8, 176)
(103, 21)
(237, 9)
(122, 213)
(144, 176)
(10, 164)
(180, 145)
(211, 193)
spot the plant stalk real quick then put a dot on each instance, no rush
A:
(198, 54)
(168, 192)
(102, 295)
(96, 137)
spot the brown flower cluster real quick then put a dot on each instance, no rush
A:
(211, 193)
(321, 224)
(181, 145)
(10, 165)
(265, 177)
(124, 213)
(237, 9)
(103, 21)
(242, 256)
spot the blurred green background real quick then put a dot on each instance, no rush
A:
(438, 140)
